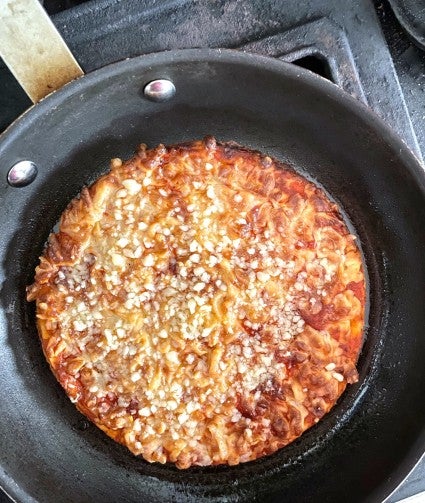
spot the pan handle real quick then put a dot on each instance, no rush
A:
(33, 49)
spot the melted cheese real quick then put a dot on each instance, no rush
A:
(202, 304)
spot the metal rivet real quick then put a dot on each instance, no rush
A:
(22, 173)
(159, 90)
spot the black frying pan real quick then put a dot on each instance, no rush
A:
(375, 434)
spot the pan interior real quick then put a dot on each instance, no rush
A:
(374, 433)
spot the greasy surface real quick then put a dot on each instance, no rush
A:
(202, 304)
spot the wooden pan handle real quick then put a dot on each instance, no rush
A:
(33, 49)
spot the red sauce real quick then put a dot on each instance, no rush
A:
(296, 187)
(358, 289)
(321, 319)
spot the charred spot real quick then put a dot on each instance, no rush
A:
(318, 380)
(295, 419)
(246, 409)
(332, 390)
(299, 356)
(228, 152)
(172, 267)
(301, 345)
(133, 407)
(210, 142)
(279, 426)
(275, 389)
(279, 355)
(261, 407)
(328, 390)
(318, 407)
(351, 375)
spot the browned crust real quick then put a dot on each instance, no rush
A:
(314, 364)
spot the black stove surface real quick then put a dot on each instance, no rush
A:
(358, 45)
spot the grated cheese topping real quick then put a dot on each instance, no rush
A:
(201, 304)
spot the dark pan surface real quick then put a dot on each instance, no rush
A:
(374, 435)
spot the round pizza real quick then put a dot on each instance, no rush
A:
(201, 303)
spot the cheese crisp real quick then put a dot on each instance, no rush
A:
(201, 304)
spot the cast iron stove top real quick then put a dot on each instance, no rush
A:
(357, 45)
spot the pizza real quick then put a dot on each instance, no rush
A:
(201, 303)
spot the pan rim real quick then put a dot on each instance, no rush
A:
(287, 70)
(220, 55)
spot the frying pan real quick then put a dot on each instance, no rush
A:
(375, 434)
